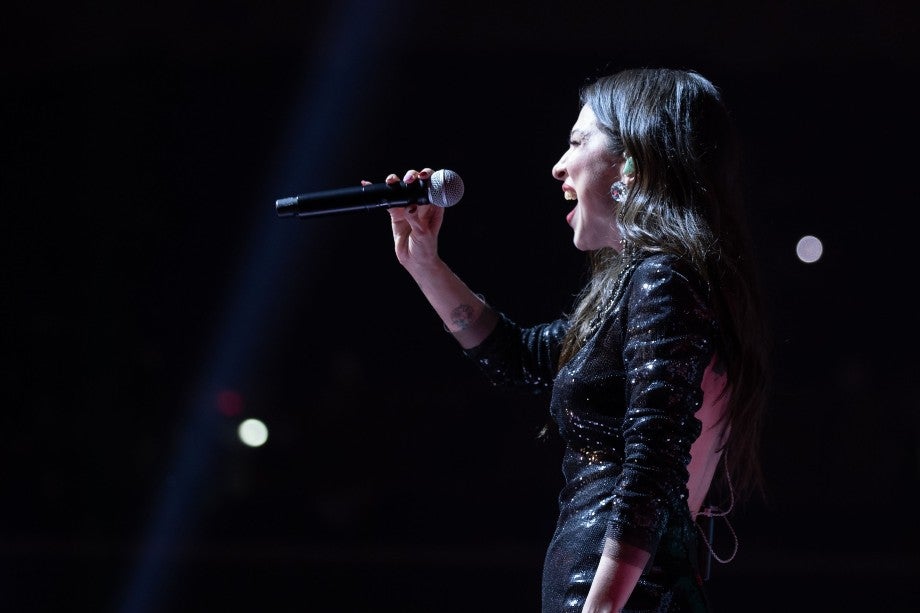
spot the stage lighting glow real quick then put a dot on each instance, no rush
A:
(809, 249)
(253, 432)
(317, 134)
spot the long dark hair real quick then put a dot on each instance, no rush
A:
(687, 200)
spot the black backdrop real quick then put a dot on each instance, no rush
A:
(145, 272)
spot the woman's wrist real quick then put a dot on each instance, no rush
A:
(426, 268)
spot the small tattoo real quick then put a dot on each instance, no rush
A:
(462, 316)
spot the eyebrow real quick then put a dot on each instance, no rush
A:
(579, 132)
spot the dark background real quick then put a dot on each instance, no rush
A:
(152, 299)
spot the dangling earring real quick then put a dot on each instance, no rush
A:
(618, 192)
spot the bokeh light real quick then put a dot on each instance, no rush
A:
(809, 249)
(229, 402)
(253, 432)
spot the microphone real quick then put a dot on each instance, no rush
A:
(444, 188)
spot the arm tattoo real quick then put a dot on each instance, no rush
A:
(462, 316)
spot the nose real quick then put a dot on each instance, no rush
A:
(559, 169)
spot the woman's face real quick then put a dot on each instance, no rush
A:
(587, 170)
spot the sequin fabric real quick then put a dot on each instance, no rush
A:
(624, 406)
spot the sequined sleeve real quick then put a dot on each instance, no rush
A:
(669, 335)
(513, 356)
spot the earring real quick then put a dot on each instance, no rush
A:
(618, 192)
(629, 168)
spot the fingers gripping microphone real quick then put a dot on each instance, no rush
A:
(444, 188)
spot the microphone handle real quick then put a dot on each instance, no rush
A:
(349, 199)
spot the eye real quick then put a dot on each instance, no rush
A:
(574, 143)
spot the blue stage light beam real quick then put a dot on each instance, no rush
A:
(317, 134)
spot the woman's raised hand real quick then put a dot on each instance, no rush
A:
(415, 228)
(415, 234)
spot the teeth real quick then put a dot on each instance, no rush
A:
(570, 196)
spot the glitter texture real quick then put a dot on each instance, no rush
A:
(624, 406)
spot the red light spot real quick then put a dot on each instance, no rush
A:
(229, 402)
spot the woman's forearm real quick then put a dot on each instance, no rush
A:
(465, 314)
(615, 578)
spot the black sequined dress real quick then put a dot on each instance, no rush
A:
(624, 406)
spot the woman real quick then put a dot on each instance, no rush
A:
(658, 376)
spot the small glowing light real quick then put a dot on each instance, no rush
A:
(230, 402)
(253, 432)
(809, 249)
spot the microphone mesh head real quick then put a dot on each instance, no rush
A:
(446, 188)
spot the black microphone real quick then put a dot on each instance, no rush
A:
(444, 188)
